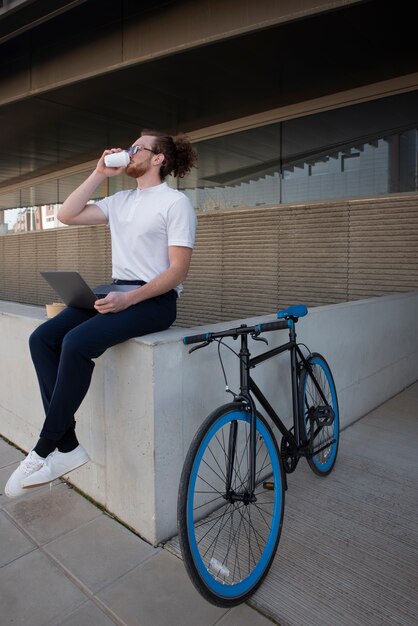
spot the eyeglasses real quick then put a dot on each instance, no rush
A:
(134, 149)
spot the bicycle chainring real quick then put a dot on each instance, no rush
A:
(289, 460)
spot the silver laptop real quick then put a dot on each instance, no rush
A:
(74, 291)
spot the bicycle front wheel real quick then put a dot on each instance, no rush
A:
(319, 408)
(228, 535)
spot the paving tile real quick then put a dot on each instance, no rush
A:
(244, 616)
(9, 454)
(397, 418)
(380, 450)
(87, 615)
(411, 391)
(49, 514)
(12, 541)
(100, 552)
(33, 590)
(159, 593)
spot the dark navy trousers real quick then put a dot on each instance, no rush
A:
(63, 349)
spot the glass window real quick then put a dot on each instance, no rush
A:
(237, 170)
(367, 149)
(363, 150)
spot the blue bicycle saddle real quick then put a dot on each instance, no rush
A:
(298, 310)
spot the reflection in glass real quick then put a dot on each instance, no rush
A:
(237, 170)
(367, 149)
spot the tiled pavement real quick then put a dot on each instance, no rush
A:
(64, 561)
(348, 555)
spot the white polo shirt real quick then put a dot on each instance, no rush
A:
(143, 224)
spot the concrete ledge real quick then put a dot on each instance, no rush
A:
(148, 396)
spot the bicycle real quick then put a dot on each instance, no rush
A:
(231, 495)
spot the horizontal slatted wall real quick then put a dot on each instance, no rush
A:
(250, 246)
(92, 255)
(313, 254)
(23, 256)
(247, 262)
(383, 248)
(27, 263)
(12, 268)
(323, 253)
(202, 295)
(46, 255)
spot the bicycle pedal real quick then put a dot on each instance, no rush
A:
(323, 415)
(268, 486)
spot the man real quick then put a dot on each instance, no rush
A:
(152, 231)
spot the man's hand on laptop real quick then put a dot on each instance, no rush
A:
(114, 302)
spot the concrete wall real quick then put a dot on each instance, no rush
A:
(149, 395)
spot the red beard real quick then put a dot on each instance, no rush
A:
(135, 170)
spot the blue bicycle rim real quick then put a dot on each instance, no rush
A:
(237, 589)
(324, 467)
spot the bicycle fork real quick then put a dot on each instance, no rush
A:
(248, 494)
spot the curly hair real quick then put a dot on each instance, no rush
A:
(179, 156)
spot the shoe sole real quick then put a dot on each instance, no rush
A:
(67, 471)
(12, 495)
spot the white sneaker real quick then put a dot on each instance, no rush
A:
(57, 464)
(31, 464)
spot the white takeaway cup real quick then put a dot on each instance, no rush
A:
(117, 159)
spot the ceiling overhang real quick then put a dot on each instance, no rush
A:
(212, 85)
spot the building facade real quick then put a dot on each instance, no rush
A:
(304, 116)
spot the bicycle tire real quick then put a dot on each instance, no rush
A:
(228, 547)
(323, 462)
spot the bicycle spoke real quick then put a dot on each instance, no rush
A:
(230, 541)
(221, 517)
(215, 541)
(263, 466)
(211, 468)
(260, 508)
(209, 485)
(244, 452)
(216, 460)
(249, 545)
(201, 523)
(237, 561)
(206, 503)
(255, 532)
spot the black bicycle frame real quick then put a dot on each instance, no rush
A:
(295, 364)
(248, 387)
(299, 446)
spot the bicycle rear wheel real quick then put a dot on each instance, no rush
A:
(317, 395)
(228, 539)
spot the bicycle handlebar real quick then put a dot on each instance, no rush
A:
(234, 332)
(287, 319)
(197, 338)
(280, 325)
